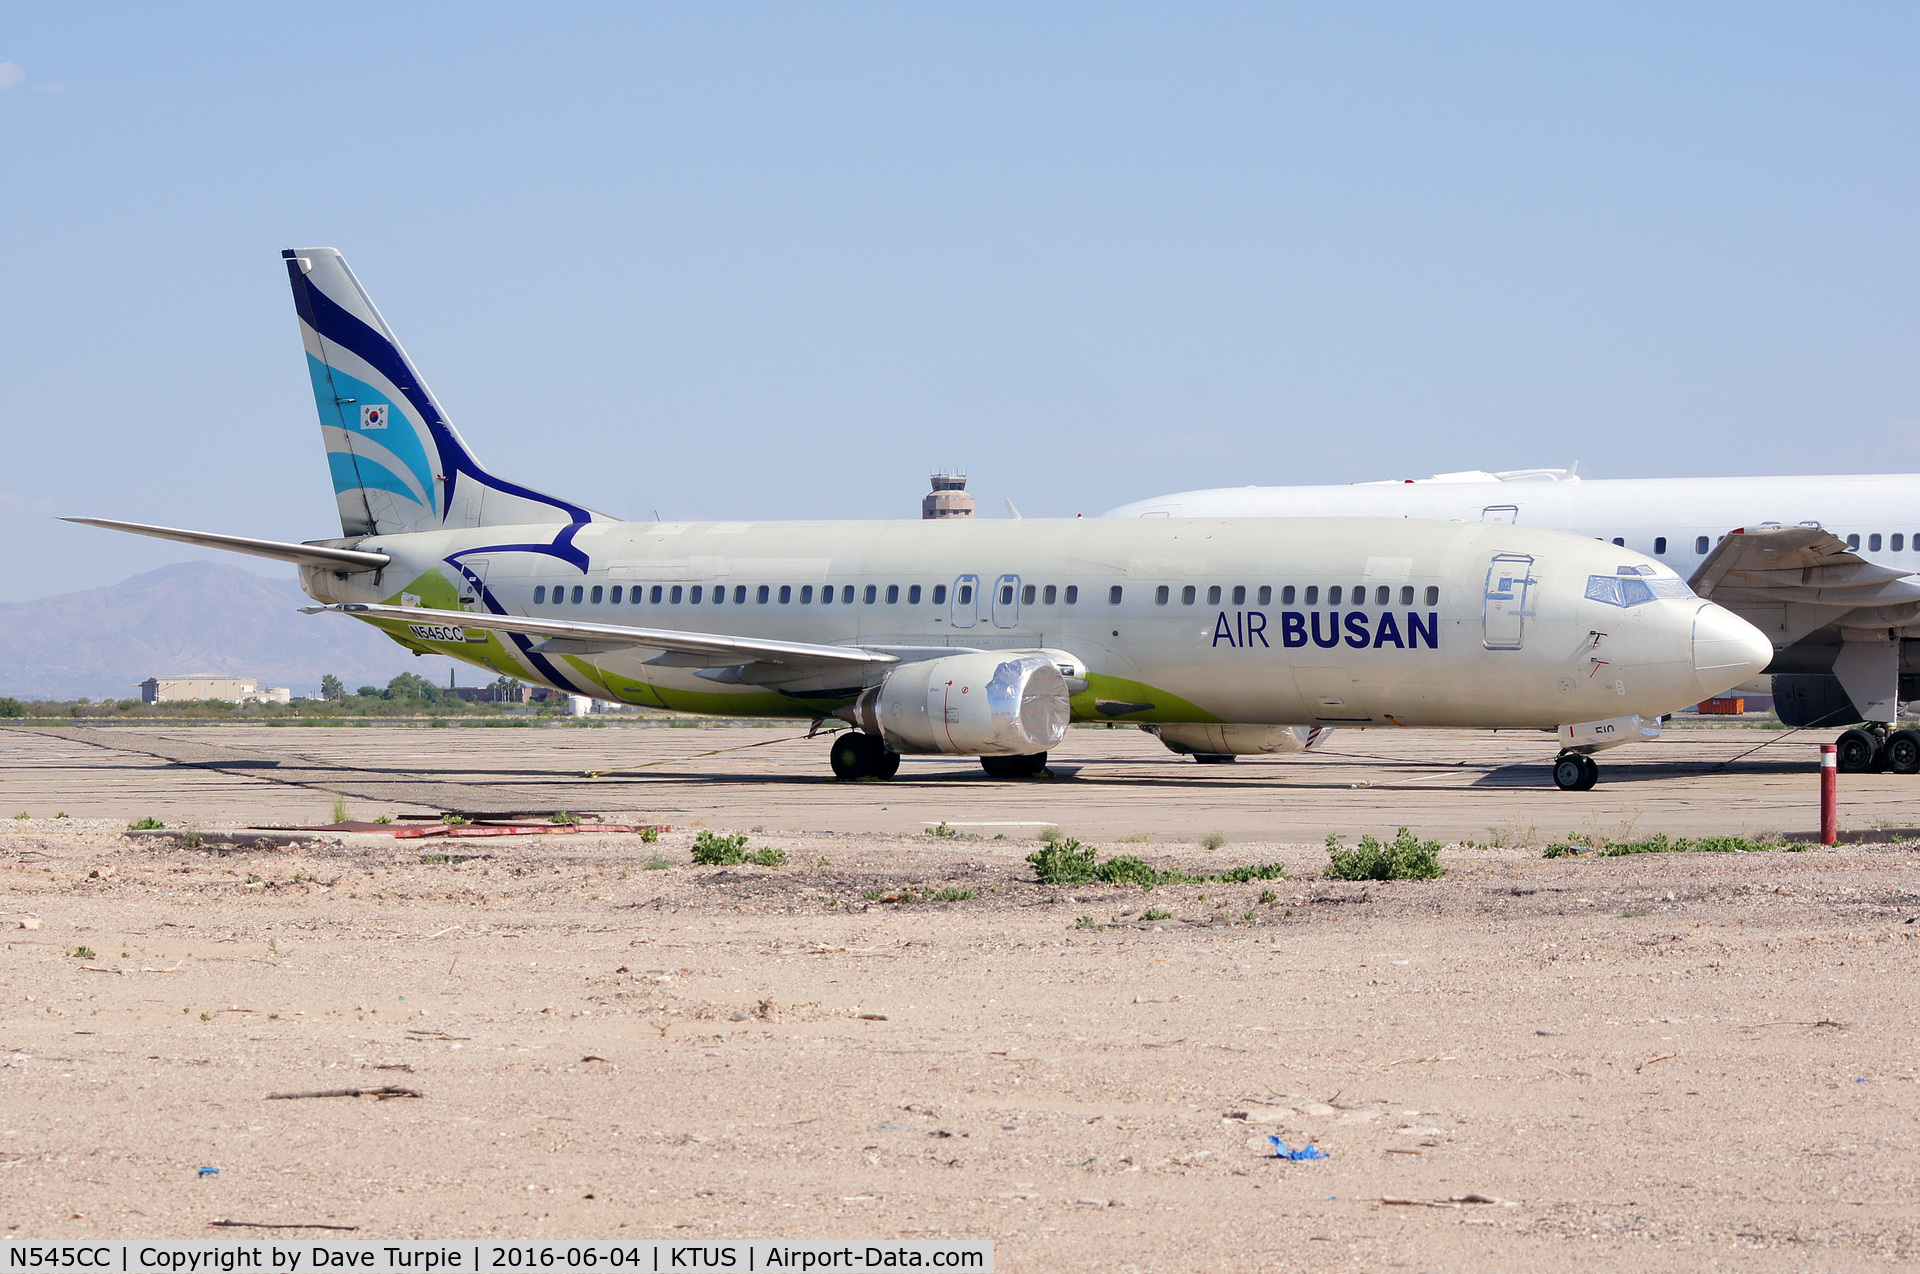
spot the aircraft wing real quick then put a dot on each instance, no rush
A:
(1790, 581)
(716, 656)
(279, 550)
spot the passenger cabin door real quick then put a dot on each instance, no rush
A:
(966, 601)
(1507, 602)
(1006, 601)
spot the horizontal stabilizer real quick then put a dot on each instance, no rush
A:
(279, 550)
(709, 650)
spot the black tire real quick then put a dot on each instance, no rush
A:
(1902, 753)
(1014, 767)
(1214, 758)
(853, 755)
(1570, 772)
(886, 764)
(1858, 752)
(1591, 775)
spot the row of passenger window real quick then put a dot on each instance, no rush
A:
(1046, 595)
(1382, 595)
(695, 594)
(1895, 543)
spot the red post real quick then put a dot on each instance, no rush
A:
(1829, 793)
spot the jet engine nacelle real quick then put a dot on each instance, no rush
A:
(1810, 699)
(989, 703)
(1236, 740)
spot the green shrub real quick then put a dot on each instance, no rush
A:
(559, 816)
(10, 707)
(649, 835)
(1068, 862)
(711, 849)
(83, 953)
(1658, 843)
(1214, 840)
(1257, 871)
(1405, 859)
(768, 857)
(1063, 862)
(1128, 870)
(148, 824)
(1154, 913)
(954, 894)
(942, 830)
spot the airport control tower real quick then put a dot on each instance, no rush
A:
(948, 499)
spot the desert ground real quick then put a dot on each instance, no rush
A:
(1651, 1062)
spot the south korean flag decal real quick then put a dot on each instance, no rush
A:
(373, 416)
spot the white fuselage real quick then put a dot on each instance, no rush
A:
(1273, 621)
(1676, 521)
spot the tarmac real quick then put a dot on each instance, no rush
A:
(1104, 783)
(1645, 1062)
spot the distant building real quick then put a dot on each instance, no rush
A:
(517, 693)
(193, 689)
(948, 499)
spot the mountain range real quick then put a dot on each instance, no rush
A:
(193, 618)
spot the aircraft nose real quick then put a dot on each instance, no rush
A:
(1727, 650)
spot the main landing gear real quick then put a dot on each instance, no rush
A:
(1870, 748)
(856, 754)
(1575, 772)
(1014, 767)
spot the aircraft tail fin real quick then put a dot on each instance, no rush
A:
(396, 461)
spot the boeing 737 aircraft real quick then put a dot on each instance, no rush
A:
(1843, 614)
(981, 639)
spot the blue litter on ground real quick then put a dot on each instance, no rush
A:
(1282, 1151)
(209, 1172)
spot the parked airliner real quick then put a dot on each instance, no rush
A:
(1825, 566)
(983, 639)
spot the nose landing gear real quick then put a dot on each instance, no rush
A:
(1575, 772)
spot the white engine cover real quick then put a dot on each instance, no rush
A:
(983, 704)
(1237, 740)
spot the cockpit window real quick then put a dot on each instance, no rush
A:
(1634, 589)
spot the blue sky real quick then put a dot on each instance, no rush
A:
(779, 261)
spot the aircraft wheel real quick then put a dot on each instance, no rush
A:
(1214, 758)
(1902, 753)
(1858, 751)
(855, 755)
(886, 765)
(1575, 773)
(1014, 767)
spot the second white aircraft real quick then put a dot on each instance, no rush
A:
(1827, 566)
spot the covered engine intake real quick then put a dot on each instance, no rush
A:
(982, 704)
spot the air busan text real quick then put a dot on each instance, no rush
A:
(1357, 628)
